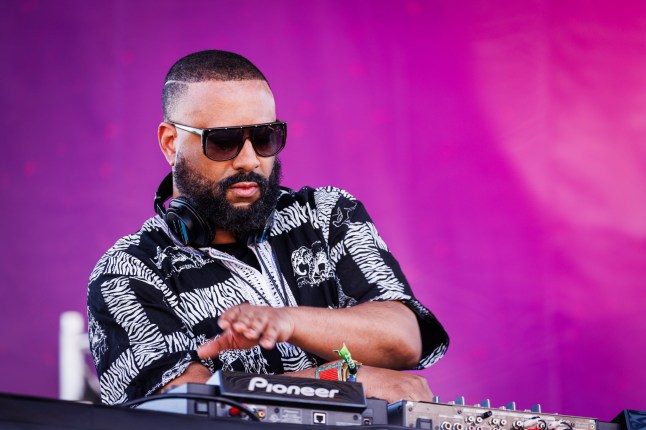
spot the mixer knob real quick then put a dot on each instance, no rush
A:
(436, 399)
(460, 401)
(536, 408)
(486, 403)
(511, 406)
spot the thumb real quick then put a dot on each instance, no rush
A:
(214, 346)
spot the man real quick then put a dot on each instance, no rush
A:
(241, 274)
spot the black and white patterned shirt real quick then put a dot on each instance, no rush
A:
(152, 301)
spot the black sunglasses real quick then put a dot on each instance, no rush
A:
(225, 143)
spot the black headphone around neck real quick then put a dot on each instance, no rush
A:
(188, 225)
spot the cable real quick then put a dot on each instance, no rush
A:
(567, 424)
(193, 396)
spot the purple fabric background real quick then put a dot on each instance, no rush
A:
(499, 146)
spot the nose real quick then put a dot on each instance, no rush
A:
(247, 159)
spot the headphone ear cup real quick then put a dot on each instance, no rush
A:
(189, 226)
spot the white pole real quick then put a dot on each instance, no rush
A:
(71, 366)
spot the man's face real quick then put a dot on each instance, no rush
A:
(234, 194)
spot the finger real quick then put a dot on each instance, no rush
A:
(244, 320)
(268, 339)
(251, 322)
(241, 342)
(245, 331)
(216, 345)
(257, 326)
(250, 329)
(229, 316)
(240, 328)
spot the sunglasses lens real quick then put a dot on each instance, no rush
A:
(268, 140)
(223, 144)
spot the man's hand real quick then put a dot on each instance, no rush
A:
(245, 326)
(392, 385)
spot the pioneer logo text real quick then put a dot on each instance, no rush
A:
(261, 384)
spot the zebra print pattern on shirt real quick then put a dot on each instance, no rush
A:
(361, 244)
(152, 300)
(210, 302)
(292, 217)
(294, 358)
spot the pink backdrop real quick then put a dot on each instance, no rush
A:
(499, 145)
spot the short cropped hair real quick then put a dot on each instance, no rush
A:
(211, 65)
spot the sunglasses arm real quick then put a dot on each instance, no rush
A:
(189, 129)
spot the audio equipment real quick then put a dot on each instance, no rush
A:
(34, 413)
(188, 225)
(631, 419)
(458, 416)
(275, 399)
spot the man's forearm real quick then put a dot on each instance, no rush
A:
(381, 334)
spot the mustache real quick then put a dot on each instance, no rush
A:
(225, 183)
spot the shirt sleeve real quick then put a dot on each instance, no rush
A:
(138, 343)
(367, 271)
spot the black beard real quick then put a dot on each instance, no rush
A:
(209, 199)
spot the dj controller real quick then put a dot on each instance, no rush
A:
(241, 401)
(282, 399)
(274, 399)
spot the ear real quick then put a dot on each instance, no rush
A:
(166, 134)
